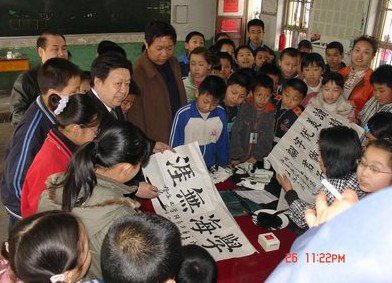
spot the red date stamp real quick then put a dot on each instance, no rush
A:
(321, 257)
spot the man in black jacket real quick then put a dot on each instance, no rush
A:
(25, 89)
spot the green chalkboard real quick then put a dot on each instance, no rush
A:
(32, 17)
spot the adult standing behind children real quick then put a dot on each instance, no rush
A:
(256, 33)
(57, 76)
(111, 75)
(26, 89)
(158, 76)
(357, 87)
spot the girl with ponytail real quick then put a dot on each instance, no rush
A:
(77, 121)
(48, 247)
(93, 186)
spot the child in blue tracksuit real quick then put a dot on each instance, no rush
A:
(204, 121)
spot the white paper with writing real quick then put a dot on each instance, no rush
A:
(296, 153)
(189, 199)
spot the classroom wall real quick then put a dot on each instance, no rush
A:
(200, 16)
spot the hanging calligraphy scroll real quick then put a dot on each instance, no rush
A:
(188, 197)
(296, 153)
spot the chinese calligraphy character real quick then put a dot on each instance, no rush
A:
(165, 190)
(319, 113)
(306, 135)
(319, 174)
(307, 165)
(230, 242)
(298, 142)
(192, 199)
(292, 151)
(313, 154)
(180, 171)
(333, 122)
(313, 123)
(206, 226)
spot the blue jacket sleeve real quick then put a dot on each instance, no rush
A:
(177, 134)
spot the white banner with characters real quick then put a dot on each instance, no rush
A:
(296, 154)
(188, 197)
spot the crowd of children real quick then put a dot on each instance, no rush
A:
(240, 104)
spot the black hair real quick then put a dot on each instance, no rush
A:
(41, 40)
(141, 248)
(225, 55)
(201, 50)
(384, 144)
(333, 77)
(297, 84)
(265, 49)
(270, 69)
(192, 34)
(243, 47)
(290, 51)
(380, 125)
(156, 29)
(102, 65)
(45, 244)
(214, 86)
(312, 59)
(368, 39)
(262, 80)
(80, 109)
(219, 34)
(255, 22)
(340, 148)
(121, 143)
(240, 78)
(305, 43)
(224, 41)
(382, 75)
(55, 74)
(335, 45)
(198, 266)
(106, 46)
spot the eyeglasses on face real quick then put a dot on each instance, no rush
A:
(372, 168)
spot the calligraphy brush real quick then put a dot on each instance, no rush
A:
(159, 200)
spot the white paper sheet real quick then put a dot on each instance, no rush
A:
(191, 200)
(296, 153)
(257, 196)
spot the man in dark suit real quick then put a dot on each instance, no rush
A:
(111, 74)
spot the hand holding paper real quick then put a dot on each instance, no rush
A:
(324, 213)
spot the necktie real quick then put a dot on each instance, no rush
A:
(114, 114)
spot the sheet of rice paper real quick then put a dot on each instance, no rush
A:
(188, 197)
(296, 153)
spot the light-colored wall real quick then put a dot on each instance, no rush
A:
(201, 17)
(273, 26)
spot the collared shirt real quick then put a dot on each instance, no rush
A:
(97, 95)
(251, 45)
